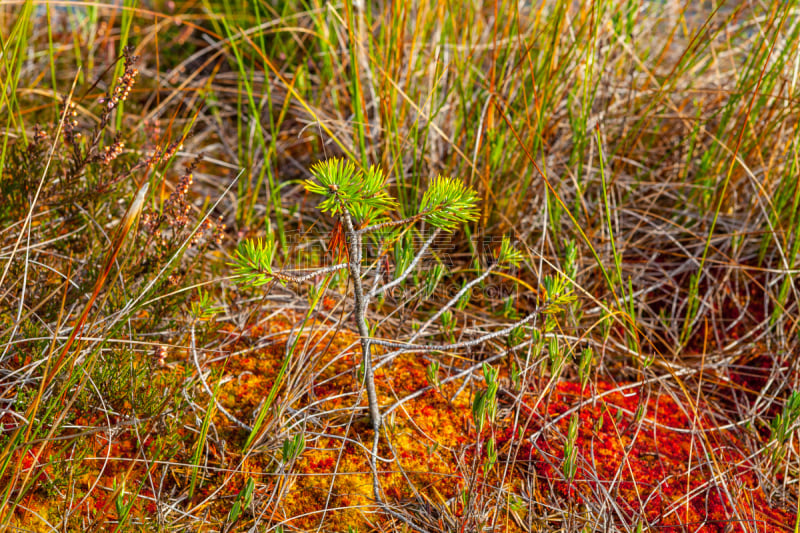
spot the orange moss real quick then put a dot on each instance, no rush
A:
(651, 467)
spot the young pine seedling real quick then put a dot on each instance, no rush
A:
(360, 200)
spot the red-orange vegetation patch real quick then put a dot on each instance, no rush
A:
(427, 435)
(68, 481)
(334, 472)
(103, 463)
(673, 467)
(653, 456)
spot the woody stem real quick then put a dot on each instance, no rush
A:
(363, 331)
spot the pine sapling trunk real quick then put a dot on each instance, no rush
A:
(366, 352)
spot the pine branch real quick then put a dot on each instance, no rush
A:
(294, 278)
(465, 344)
(390, 223)
(253, 263)
(448, 203)
(409, 270)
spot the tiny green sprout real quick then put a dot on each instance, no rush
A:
(479, 410)
(119, 501)
(508, 309)
(782, 423)
(572, 431)
(403, 254)
(491, 454)
(571, 260)
(489, 374)
(598, 424)
(570, 464)
(490, 377)
(448, 320)
(432, 372)
(585, 366)
(641, 409)
(783, 426)
(515, 337)
(557, 286)
(434, 276)
(516, 376)
(464, 299)
(537, 343)
(556, 355)
(551, 286)
(558, 291)
(508, 255)
(449, 323)
(292, 448)
(202, 309)
(243, 501)
(122, 507)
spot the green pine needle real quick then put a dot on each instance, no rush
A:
(253, 261)
(345, 188)
(448, 203)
